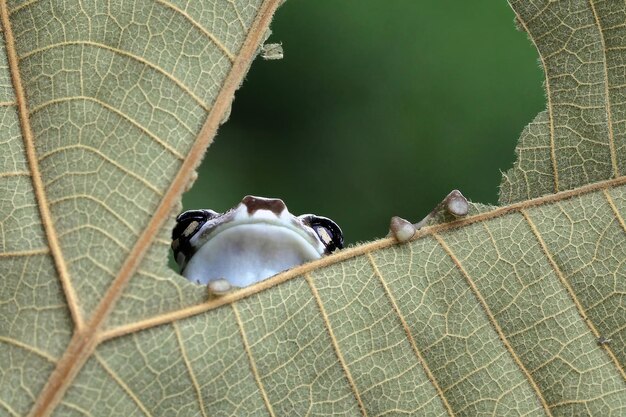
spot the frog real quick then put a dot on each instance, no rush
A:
(255, 240)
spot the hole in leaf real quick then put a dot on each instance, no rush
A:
(376, 110)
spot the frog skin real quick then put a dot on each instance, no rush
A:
(253, 241)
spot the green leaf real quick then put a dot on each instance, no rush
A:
(106, 112)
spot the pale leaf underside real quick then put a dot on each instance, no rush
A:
(105, 112)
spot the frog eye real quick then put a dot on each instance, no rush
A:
(327, 230)
(188, 222)
(187, 225)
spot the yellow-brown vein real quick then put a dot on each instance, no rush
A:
(9, 409)
(97, 229)
(30, 252)
(239, 18)
(123, 53)
(77, 408)
(618, 216)
(162, 278)
(607, 96)
(83, 343)
(102, 267)
(28, 348)
(493, 322)
(14, 174)
(113, 110)
(335, 344)
(99, 203)
(601, 397)
(206, 33)
(122, 384)
(253, 368)
(292, 359)
(548, 97)
(409, 336)
(570, 291)
(7, 103)
(349, 253)
(21, 6)
(31, 156)
(192, 375)
(106, 159)
(482, 368)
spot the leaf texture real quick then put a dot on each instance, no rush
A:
(581, 137)
(106, 110)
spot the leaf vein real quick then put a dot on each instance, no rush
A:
(29, 348)
(572, 294)
(618, 216)
(103, 232)
(123, 53)
(208, 34)
(549, 101)
(192, 375)
(251, 360)
(98, 202)
(112, 109)
(333, 340)
(77, 408)
(409, 336)
(105, 158)
(14, 174)
(494, 322)
(31, 252)
(31, 156)
(607, 96)
(81, 345)
(9, 409)
(122, 384)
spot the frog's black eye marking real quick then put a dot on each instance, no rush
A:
(187, 225)
(327, 230)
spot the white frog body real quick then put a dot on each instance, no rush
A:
(250, 242)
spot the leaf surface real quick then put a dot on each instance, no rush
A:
(106, 111)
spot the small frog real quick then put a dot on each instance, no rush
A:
(250, 242)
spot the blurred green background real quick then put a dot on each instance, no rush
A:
(378, 108)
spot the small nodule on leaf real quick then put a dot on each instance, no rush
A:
(456, 203)
(272, 51)
(219, 287)
(401, 229)
(603, 340)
